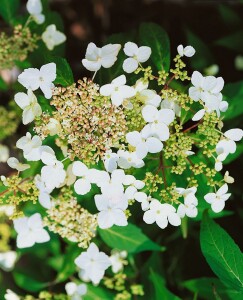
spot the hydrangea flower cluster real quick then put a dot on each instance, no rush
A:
(124, 146)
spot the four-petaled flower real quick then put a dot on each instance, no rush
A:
(111, 203)
(30, 231)
(28, 102)
(217, 200)
(33, 79)
(136, 55)
(52, 37)
(158, 121)
(143, 143)
(117, 90)
(93, 263)
(162, 214)
(96, 57)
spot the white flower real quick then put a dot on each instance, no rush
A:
(94, 263)
(158, 121)
(10, 295)
(118, 260)
(52, 37)
(95, 57)
(111, 203)
(4, 153)
(7, 260)
(227, 178)
(188, 51)
(28, 102)
(129, 159)
(144, 199)
(34, 8)
(30, 231)
(75, 291)
(31, 146)
(53, 174)
(136, 55)
(217, 200)
(189, 208)
(143, 143)
(15, 164)
(117, 90)
(133, 186)
(33, 79)
(110, 181)
(162, 214)
(205, 88)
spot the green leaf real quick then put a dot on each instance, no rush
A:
(203, 57)
(27, 283)
(222, 254)
(68, 267)
(233, 94)
(229, 16)
(8, 10)
(97, 293)
(129, 238)
(64, 71)
(207, 288)
(161, 292)
(233, 41)
(157, 39)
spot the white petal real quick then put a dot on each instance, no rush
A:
(162, 222)
(79, 168)
(154, 145)
(92, 66)
(141, 150)
(180, 50)
(149, 113)
(119, 81)
(149, 217)
(140, 196)
(189, 51)
(29, 78)
(223, 190)
(174, 219)
(119, 218)
(143, 54)
(82, 186)
(197, 79)
(48, 72)
(235, 134)
(117, 98)
(199, 115)
(127, 91)
(130, 49)
(34, 6)
(210, 197)
(166, 116)
(107, 89)
(22, 100)
(41, 236)
(218, 206)
(130, 65)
